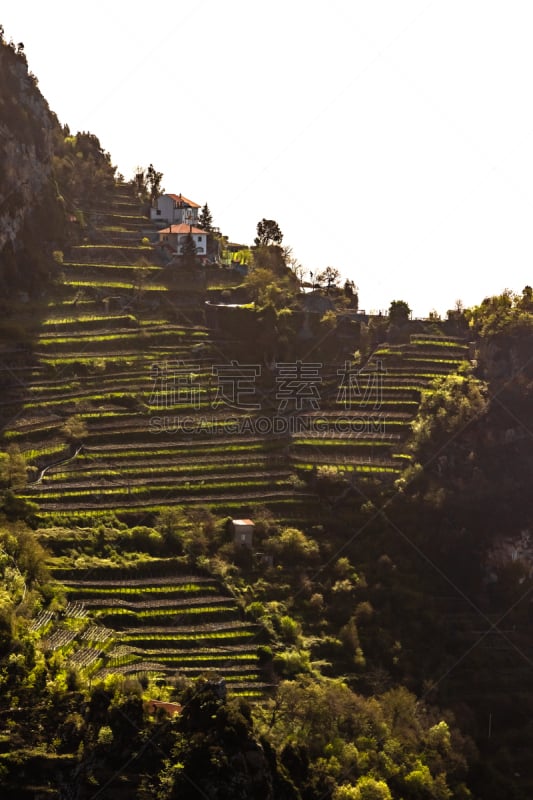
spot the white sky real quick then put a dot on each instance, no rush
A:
(391, 139)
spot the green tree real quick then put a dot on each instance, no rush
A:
(74, 429)
(293, 264)
(367, 788)
(216, 754)
(328, 278)
(153, 183)
(268, 232)
(105, 736)
(188, 251)
(293, 547)
(171, 523)
(503, 313)
(139, 180)
(4, 469)
(329, 480)
(272, 258)
(372, 742)
(399, 312)
(268, 289)
(256, 282)
(448, 405)
(19, 543)
(13, 468)
(526, 301)
(205, 220)
(352, 294)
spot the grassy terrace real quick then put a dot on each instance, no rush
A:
(146, 333)
(86, 320)
(39, 452)
(99, 496)
(94, 360)
(126, 615)
(147, 474)
(111, 591)
(370, 468)
(428, 340)
(149, 450)
(123, 223)
(142, 601)
(230, 632)
(341, 441)
(123, 356)
(106, 284)
(416, 375)
(79, 265)
(286, 503)
(140, 482)
(454, 362)
(178, 623)
(119, 468)
(147, 336)
(142, 337)
(113, 249)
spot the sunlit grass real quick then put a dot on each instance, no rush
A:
(147, 287)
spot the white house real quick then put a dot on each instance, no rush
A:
(174, 237)
(243, 532)
(175, 208)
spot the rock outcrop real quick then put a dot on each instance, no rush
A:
(28, 133)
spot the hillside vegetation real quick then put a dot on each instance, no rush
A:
(374, 640)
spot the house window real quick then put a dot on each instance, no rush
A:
(199, 238)
(158, 212)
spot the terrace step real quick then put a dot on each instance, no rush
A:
(159, 602)
(132, 327)
(169, 631)
(128, 479)
(223, 500)
(100, 369)
(118, 217)
(100, 253)
(104, 492)
(118, 238)
(125, 583)
(135, 645)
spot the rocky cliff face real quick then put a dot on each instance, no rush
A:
(28, 133)
(46, 177)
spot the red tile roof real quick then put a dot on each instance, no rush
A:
(183, 227)
(170, 708)
(179, 198)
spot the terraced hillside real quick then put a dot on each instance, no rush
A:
(129, 404)
(102, 346)
(125, 403)
(161, 621)
(363, 428)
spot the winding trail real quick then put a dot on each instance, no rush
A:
(44, 470)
